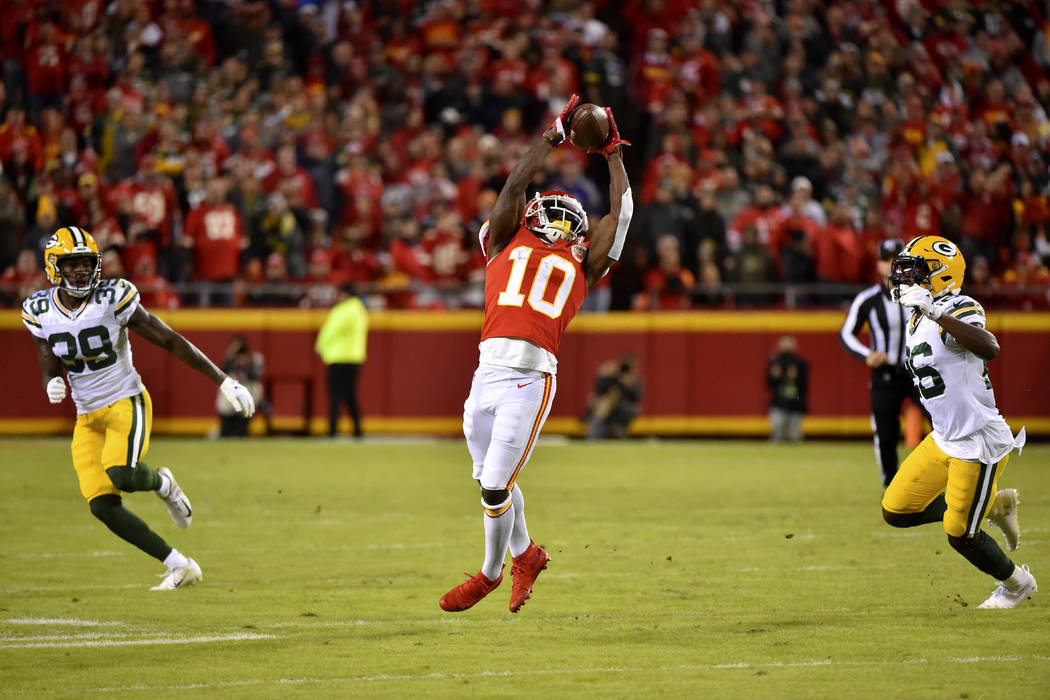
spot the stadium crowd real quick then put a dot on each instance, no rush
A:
(267, 153)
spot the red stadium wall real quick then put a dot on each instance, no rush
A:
(704, 371)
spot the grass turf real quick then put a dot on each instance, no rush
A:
(680, 569)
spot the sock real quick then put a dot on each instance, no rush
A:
(175, 559)
(519, 536)
(128, 526)
(983, 552)
(165, 486)
(499, 521)
(1016, 578)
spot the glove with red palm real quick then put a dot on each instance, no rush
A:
(555, 134)
(613, 142)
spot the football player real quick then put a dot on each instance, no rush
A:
(951, 476)
(80, 325)
(541, 259)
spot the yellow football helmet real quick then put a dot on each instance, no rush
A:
(932, 261)
(71, 242)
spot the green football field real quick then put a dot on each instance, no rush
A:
(680, 569)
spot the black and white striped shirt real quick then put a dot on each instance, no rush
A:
(886, 325)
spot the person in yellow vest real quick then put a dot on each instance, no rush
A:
(341, 343)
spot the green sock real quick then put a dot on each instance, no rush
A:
(983, 552)
(139, 478)
(128, 526)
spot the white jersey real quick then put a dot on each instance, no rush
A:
(955, 388)
(91, 341)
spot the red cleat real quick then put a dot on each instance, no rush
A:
(467, 594)
(526, 567)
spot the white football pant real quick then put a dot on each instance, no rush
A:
(502, 418)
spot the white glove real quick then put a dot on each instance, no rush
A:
(920, 299)
(238, 396)
(56, 390)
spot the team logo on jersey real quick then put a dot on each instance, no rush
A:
(579, 252)
(945, 248)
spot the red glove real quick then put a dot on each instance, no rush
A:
(613, 141)
(555, 134)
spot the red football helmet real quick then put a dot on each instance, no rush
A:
(554, 216)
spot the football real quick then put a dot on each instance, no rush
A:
(589, 127)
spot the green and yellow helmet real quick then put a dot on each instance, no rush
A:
(931, 261)
(66, 243)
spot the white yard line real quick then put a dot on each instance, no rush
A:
(727, 666)
(59, 622)
(241, 636)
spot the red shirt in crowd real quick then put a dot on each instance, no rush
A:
(217, 232)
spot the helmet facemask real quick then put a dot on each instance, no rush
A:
(909, 269)
(69, 286)
(555, 216)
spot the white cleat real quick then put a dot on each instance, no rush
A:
(178, 505)
(180, 577)
(1003, 514)
(1003, 597)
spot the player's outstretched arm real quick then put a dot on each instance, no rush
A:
(606, 243)
(510, 205)
(160, 334)
(979, 341)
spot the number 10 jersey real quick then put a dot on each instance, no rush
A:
(91, 341)
(533, 290)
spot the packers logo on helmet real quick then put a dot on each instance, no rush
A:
(932, 261)
(67, 243)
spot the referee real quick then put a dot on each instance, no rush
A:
(890, 381)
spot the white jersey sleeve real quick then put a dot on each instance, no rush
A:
(965, 309)
(33, 308)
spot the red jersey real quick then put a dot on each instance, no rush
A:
(533, 290)
(217, 232)
(153, 203)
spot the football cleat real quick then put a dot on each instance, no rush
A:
(467, 594)
(526, 567)
(178, 505)
(1003, 514)
(1003, 598)
(180, 577)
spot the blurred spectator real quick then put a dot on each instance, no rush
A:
(12, 224)
(215, 233)
(1027, 282)
(279, 232)
(787, 377)
(342, 344)
(751, 264)
(246, 366)
(668, 285)
(23, 278)
(615, 400)
(154, 291)
(764, 215)
(112, 267)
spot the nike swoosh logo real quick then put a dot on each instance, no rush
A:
(520, 386)
(179, 582)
